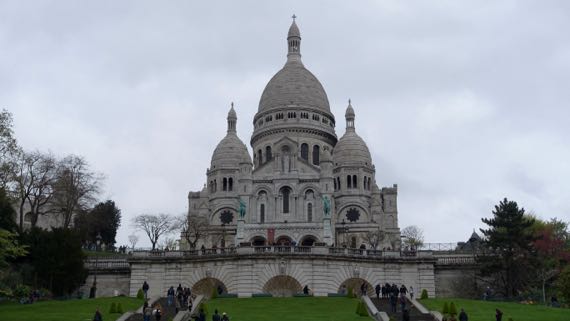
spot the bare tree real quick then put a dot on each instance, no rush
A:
(8, 148)
(75, 188)
(154, 226)
(23, 176)
(374, 238)
(133, 239)
(194, 228)
(413, 236)
(42, 191)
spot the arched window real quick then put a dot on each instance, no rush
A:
(348, 181)
(230, 184)
(285, 193)
(364, 182)
(259, 157)
(354, 182)
(316, 150)
(225, 184)
(309, 194)
(262, 213)
(369, 183)
(310, 212)
(353, 242)
(335, 184)
(338, 183)
(305, 151)
(215, 185)
(268, 155)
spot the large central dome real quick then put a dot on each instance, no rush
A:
(294, 85)
(294, 103)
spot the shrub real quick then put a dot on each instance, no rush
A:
(445, 309)
(350, 293)
(140, 294)
(21, 291)
(361, 309)
(214, 293)
(113, 308)
(452, 309)
(120, 308)
(204, 308)
(424, 294)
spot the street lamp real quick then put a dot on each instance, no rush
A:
(93, 293)
(344, 231)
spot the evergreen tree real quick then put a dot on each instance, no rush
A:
(7, 213)
(103, 219)
(510, 239)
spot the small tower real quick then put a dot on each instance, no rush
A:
(349, 115)
(232, 120)
(294, 42)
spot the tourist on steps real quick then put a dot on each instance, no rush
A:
(147, 311)
(402, 302)
(145, 288)
(378, 289)
(498, 315)
(170, 295)
(225, 317)
(411, 292)
(393, 302)
(406, 315)
(363, 289)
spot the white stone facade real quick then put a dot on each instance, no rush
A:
(297, 163)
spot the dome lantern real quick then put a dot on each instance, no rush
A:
(294, 42)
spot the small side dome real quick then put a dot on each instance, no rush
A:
(230, 153)
(351, 149)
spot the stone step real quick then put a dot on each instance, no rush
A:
(168, 312)
(384, 306)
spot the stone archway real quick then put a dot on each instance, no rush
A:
(355, 284)
(282, 286)
(258, 241)
(308, 240)
(207, 286)
(283, 240)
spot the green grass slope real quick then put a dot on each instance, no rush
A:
(287, 309)
(70, 310)
(478, 310)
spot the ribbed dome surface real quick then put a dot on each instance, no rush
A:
(351, 150)
(230, 152)
(294, 84)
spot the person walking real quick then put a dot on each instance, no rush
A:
(97, 316)
(363, 289)
(411, 292)
(170, 295)
(225, 317)
(463, 316)
(147, 311)
(158, 314)
(393, 302)
(145, 288)
(306, 290)
(498, 315)
(402, 302)
(216, 316)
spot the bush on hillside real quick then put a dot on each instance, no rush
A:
(452, 309)
(113, 308)
(204, 308)
(350, 293)
(424, 295)
(140, 294)
(120, 308)
(445, 309)
(361, 309)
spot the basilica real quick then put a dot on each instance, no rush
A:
(303, 185)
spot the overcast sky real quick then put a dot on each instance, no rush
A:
(461, 103)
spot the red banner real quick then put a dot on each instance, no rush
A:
(270, 235)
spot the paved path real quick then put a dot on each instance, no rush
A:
(167, 312)
(415, 315)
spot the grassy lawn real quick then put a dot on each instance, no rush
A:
(485, 310)
(70, 310)
(287, 309)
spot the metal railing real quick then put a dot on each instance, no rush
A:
(106, 264)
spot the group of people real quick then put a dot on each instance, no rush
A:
(387, 290)
(180, 298)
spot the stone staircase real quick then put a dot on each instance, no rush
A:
(168, 312)
(415, 315)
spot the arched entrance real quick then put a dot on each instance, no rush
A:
(207, 286)
(258, 241)
(355, 284)
(308, 240)
(283, 240)
(282, 286)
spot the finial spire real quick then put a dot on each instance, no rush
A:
(349, 115)
(232, 119)
(294, 42)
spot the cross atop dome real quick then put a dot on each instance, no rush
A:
(294, 17)
(294, 42)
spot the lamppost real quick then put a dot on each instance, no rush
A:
(93, 293)
(344, 232)
(223, 243)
